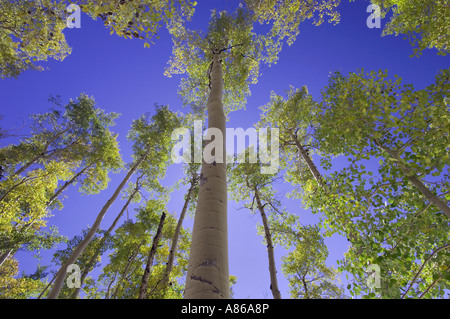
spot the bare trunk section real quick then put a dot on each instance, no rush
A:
(207, 275)
(272, 269)
(416, 181)
(151, 255)
(176, 236)
(80, 248)
(106, 235)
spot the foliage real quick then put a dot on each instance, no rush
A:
(14, 287)
(389, 221)
(121, 277)
(295, 119)
(137, 19)
(242, 50)
(305, 266)
(230, 34)
(425, 23)
(25, 210)
(62, 140)
(77, 133)
(286, 16)
(30, 31)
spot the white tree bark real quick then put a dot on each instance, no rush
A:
(207, 275)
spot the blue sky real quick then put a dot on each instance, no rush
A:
(124, 77)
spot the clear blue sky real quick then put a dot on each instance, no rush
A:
(128, 79)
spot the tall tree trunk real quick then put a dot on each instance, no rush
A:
(80, 248)
(106, 235)
(207, 275)
(272, 269)
(176, 236)
(151, 255)
(411, 176)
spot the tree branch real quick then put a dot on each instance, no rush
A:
(421, 268)
(230, 47)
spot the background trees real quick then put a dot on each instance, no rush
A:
(69, 144)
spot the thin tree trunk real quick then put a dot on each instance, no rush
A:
(151, 255)
(25, 179)
(67, 184)
(130, 260)
(176, 235)
(312, 167)
(110, 284)
(207, 275)
(272, 269)
(80, 248)
(5, 256)
(416, 181)
(40, 155)
(106, 235)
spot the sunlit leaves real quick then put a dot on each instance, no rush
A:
(424, 23)
(367, 118)
(130, 247)
(241, 51)
(286, 16)
(137, 19)
(13, 286)
(30, 31)
(24, 207)
(154, 132)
